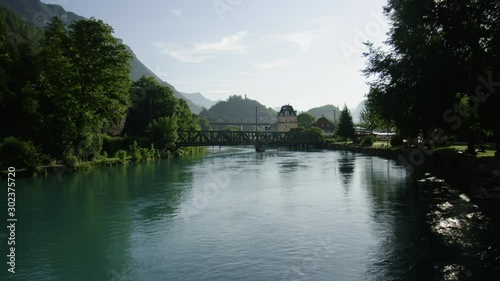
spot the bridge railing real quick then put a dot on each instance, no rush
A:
(208, 138)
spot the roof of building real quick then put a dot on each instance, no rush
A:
(324, 123)
(287, 108)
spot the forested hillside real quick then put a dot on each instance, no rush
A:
(66, 91)
(38, 13)
(331, 112)
(237, 109)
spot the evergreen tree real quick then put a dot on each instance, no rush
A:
(346, 125)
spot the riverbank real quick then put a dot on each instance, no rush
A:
(59, 168)
(478, 177)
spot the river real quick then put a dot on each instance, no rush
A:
(234, 214)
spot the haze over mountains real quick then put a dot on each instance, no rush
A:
(39, 13)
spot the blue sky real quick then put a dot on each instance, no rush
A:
(305, 53)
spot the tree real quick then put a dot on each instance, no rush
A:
(150, 100)
(305, 120)
(204, 124)
(346, 125)
(370, 118)
(85, 81)
(163, 132)
(437, 51)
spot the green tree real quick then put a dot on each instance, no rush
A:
(371, 120)
(437, 51)
(346, 125)
(305, 120)
(19, 45)
(150, 100)
(85, 81)
(204, 124)
(163, 132)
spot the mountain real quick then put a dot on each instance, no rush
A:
(356, 112)
(40, 14)
(329, 111)
(200, 100)
(237, 109)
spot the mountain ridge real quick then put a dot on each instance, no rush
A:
(40, 14)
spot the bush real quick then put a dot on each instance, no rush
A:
(20, 154)
(122, 156)
(71, 160)
(113, 144)
(135, 152)
(368, 141)
(90, 147)
(396, 141)
(163, 132)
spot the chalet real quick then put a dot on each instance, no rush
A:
(287, 119)
(326, 125)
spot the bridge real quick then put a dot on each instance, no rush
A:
(233, 138)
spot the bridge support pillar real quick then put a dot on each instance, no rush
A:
(260, 147)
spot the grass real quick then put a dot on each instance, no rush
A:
(489, 149)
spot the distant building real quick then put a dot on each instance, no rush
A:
(325, 125)
(287, 119)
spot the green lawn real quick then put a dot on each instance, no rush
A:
(489, 152)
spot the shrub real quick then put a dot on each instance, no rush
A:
(396, 141)
(113, 144)
(20, 153)
(71, 160)
(90, 147)
(163, 132)
(122, 156)
(368, 141)
(135, 152)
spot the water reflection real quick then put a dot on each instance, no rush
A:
(346, 166)
(81, 228)
(274, 215)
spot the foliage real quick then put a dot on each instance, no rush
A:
(346, 125)
(85, 81)
(310, 134)
(370, 119)
(368, 141)
(112, 144)
(150, 100)
(437, 49)
(163, 132)
(70, 83)
(396, 141)
(237, 109)
(305, 120)
(135, 152)
(122, 156)
(20, 154)
(204, 123)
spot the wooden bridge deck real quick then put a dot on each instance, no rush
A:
(233, 138)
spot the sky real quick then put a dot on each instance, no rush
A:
(297, 52)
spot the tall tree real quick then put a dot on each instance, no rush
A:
(85, 81)
(346, 125)
(438, 49)
(150, 100)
